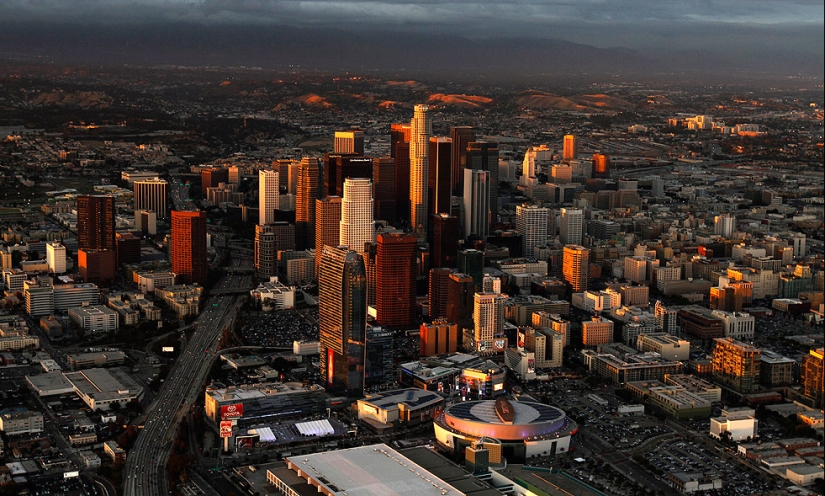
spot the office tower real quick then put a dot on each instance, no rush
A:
(571, 221)
(724, 225)
(736, 365)
(213, 176)
(531, 224)
(438, 292)
(188, 248)
(799, 244)
(151, 195)
(483, 155)
(265, 254)
(351, 141)
(438, 338)
(534, 157)
(576, 267)
(327, 226)
(400, 151)
(444, 240)
(553, 322)
(476, 201)
(460, 291)
(146, 221)
(383, 188)
(471, 262)
(338, 168)
(342, 320)
(96, 222)
(307, 193)
(461, 136)
(56, 257)
(488, 320)
(235, 174)
(813, 371)
(357, 226)
(601, 165)
(128, 248)
(598, 330)
(267, 195)
(395, 275)
(420, 131)
(439, 175)
(665, 318)
(378, 366)
(571, 148)
(97, 266)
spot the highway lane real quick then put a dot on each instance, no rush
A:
(145, 472)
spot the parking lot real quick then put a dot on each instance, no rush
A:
(281, 329)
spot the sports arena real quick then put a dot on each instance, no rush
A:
(524, 428)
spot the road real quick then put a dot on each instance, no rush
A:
(145, 472)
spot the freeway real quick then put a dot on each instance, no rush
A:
(145, 472)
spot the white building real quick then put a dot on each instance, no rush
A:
(150, 195)
(357, 226)
(737, 325)
(56, 257)
(724, 225)
(571, 221)
(148, 281)
(95, 318)
(741, 427)
(274, 293)
(476, 203)
(21, 423)
(669, 347)
(268, 200)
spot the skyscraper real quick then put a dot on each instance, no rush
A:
(438, 338)
(327, 226)
(724, 225)
(421, 129)
(531, 224)
(151, 195)
(483, 155)
(188, 248)
(342, 309)
(396, 270)
(444, 240)
(488, 320)
(400, 151)
(96, 222)
(308, 191)
(476, 203)
(56, 257)
(438, 292)
(533, 157)
(383, 188)
(571, 222)
(576, 267)
(267, 195)
(601, 165)
(351, 141)
(461, 136)
(460, 291)
(269, 240)
(439, 176)
(339, 167)
(813, 376)
(357, 226)
(471, 262)
(571, 148)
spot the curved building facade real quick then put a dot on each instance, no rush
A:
(524, 428)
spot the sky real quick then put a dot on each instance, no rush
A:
(749, 27)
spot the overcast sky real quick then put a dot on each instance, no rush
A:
(733, 26)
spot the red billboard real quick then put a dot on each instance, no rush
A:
(226, 428)
(232, 411)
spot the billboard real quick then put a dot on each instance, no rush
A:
(69, 475)
(226, 428)
(245, 442)
(168, 349)
(232, 411)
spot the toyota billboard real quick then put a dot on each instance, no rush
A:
(232, 411)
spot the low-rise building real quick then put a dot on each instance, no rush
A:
(89, 458)
(667, 346)
(775, 369)
(804, 475)
(694, 481)
(79, 361)
(630, 369)
(400, 407)
(274, 294)
(95, 318)
(741, 427)
(115, 452)
(26, 422)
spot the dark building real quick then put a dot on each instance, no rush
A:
(439, 176)
(128, 248)
(438, 338)
(97, 266)
(400, 148)
(471, 262)
(444, 241)
(96, 238)
(395, 276)
(211, 177)
(188, 248)
(438, 292)
(338, 167)
(460, 136)
(379, 369)
(460, 292)
(307, 192)
(383, 188)
(601, 166)
(342, 309)
(483, 155)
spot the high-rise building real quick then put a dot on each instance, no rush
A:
(439, 175)
(555, 322)
(268, 191)
(339, 167)
(736, 365)
(211, 177)
(533, 157)
(400, 151)
(342, 320)
(601, 165)
(151, 195)
(128, 248)
(395, 274)
(357, 226)
(570, 150)
(576, 267)
(351, 141)
(438, 292)
(188, 248)
(97, 266)
(56, 257)
(460, 291)
(531, 224)
(421, 129)
(378, 366)
(146, 221)
(488, 320)
(383, 188)
(461, 136)
(813, 374)
(476, 201)
(265, 254)
(598, 330)
(307, 193)
(327, 226)
(438, 338)
(96, 222)
(444, 240)
(724, 225)
(483, 155)
(571, 223)
(471, 262)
